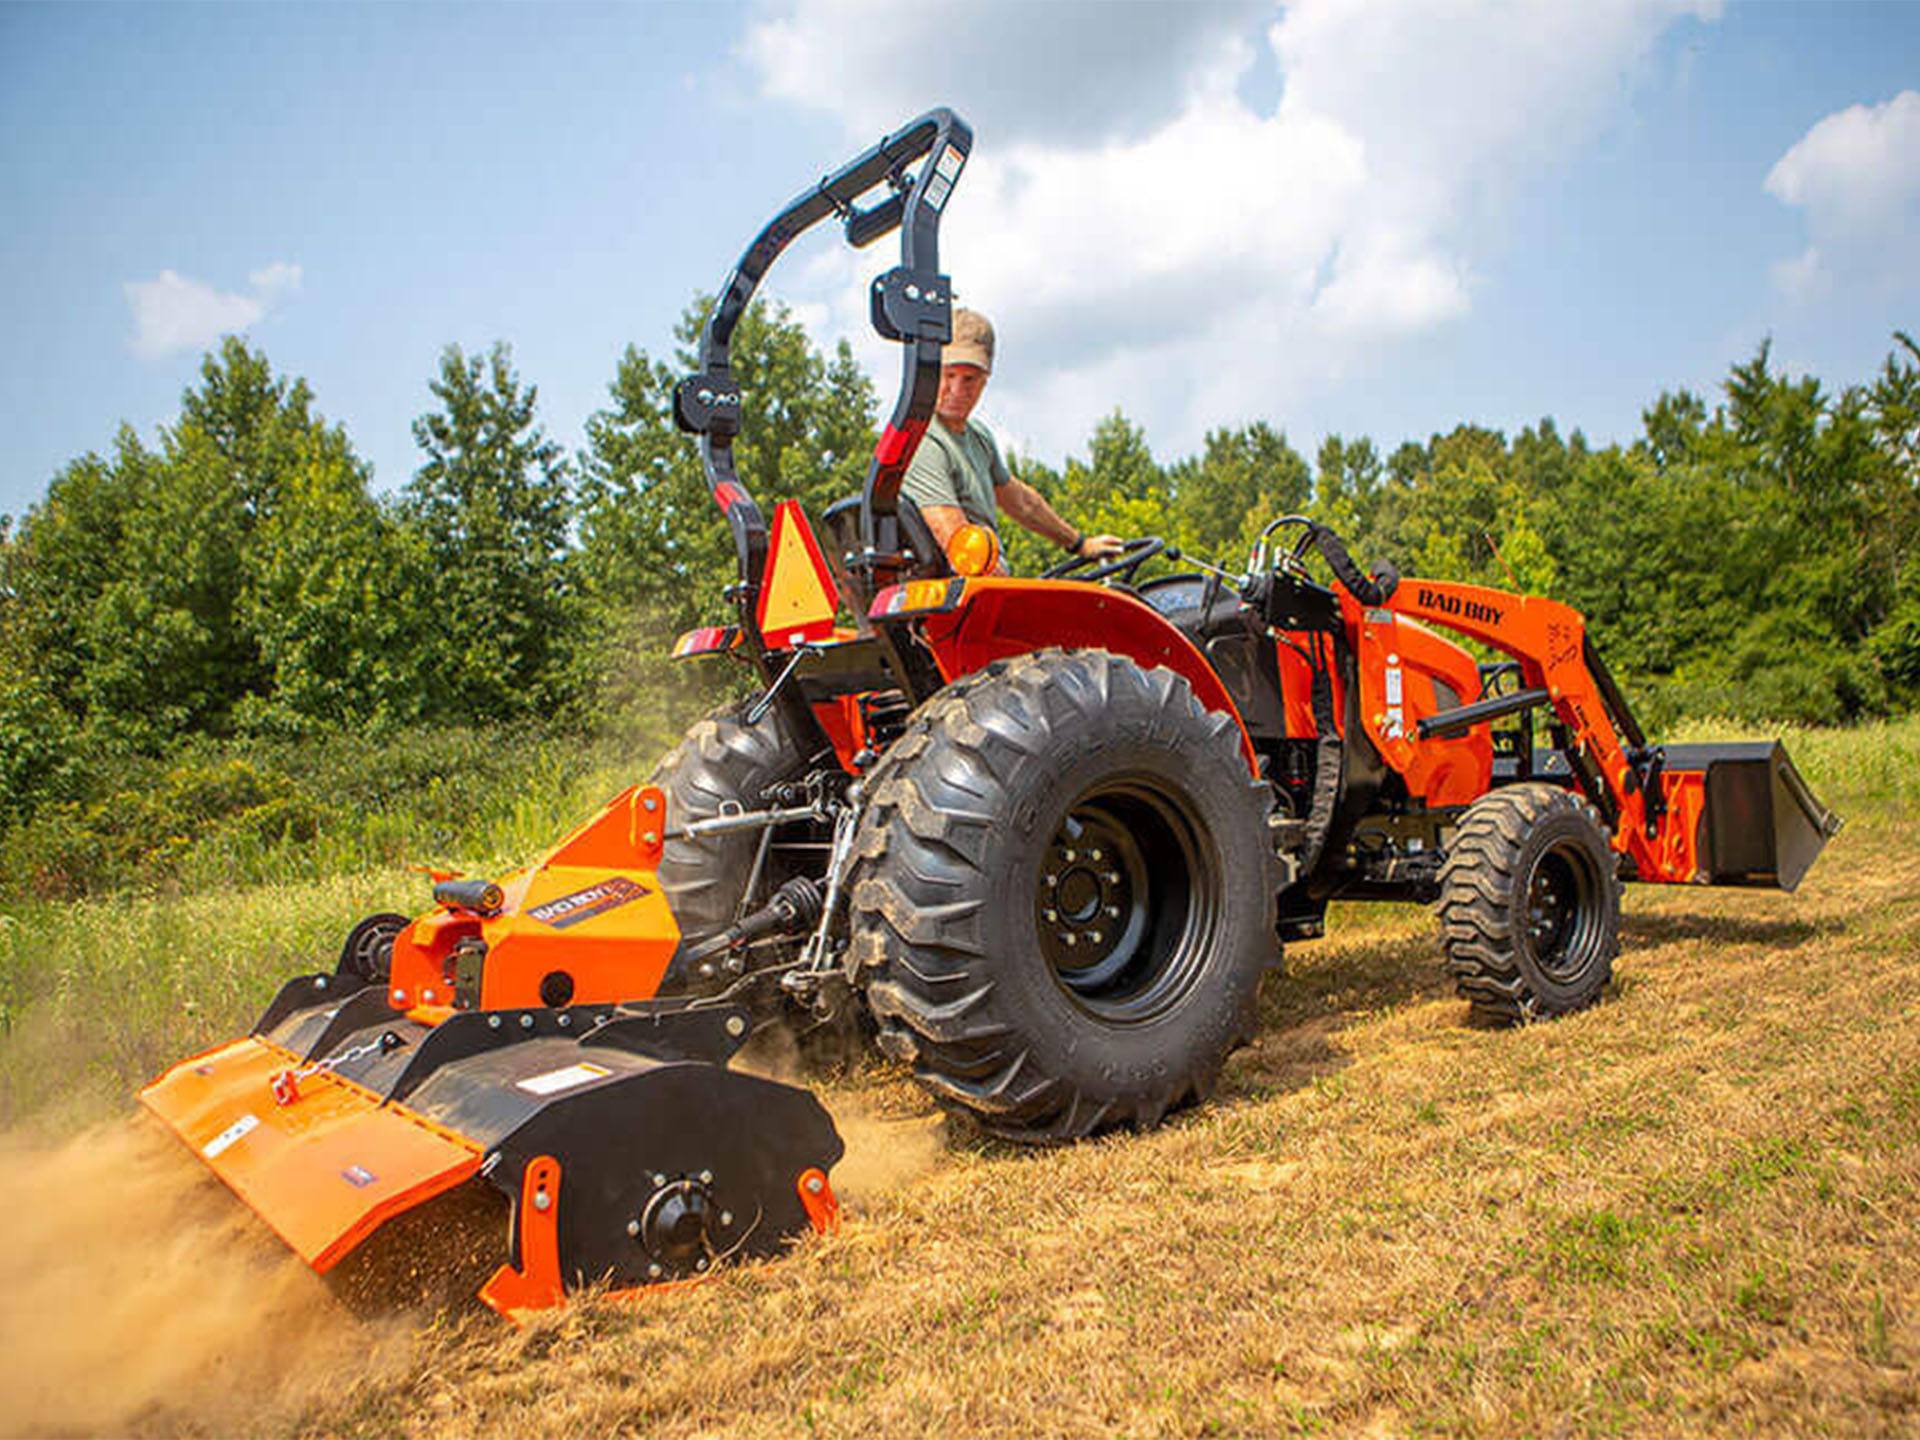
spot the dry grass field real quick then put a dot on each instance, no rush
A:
(1689, 1211)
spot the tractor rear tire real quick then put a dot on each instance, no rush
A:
(1530, 904)
(722, 762)
(1063, 895)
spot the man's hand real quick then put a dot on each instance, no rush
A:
(1100, 547)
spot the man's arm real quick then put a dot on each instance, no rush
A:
(1030, 508)
(943, 520)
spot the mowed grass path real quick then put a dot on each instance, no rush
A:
(1691, 1210)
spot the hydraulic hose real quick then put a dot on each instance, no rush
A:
(1368, 591)
(1329, 760)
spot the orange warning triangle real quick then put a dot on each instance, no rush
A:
(797, 594)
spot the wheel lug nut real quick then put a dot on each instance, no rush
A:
(1094, 937)
(1052, 879)
(1113, 877)
(1113, 912)
(1069, 856)
(1050, 915)
(1095, 856)
(1069, 939)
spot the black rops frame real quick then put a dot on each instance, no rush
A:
(911, 303)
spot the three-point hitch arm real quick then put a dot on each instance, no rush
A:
(911, 303)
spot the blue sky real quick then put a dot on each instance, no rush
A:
(1332, 216)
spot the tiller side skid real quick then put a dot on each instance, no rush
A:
(627, 1149)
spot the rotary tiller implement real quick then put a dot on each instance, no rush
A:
(494, 1042)
(1049, 833)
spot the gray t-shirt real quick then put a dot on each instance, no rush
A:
(963, 469)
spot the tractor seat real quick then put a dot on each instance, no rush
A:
(906, 531)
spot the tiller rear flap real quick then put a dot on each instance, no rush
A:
(627, 1149)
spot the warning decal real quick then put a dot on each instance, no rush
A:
(556, 1080)
(230, 1136)
(585, 904)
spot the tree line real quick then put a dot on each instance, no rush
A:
(1752, 555)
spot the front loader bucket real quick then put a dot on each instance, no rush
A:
(1759, 824)
(627, 1149)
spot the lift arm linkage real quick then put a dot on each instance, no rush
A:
(1605, 748)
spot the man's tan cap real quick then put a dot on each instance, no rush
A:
(972, 342)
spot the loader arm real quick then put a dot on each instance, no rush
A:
(1602, 742)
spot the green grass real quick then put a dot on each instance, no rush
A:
(1691, 1210)
(100, 993)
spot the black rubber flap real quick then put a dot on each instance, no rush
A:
(304, 1007)
(1762, 826)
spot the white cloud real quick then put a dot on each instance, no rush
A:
(1059, 70)
(174, 312)
(1145, 234)
(272, 281)
(1856, 175)
(1803, 276)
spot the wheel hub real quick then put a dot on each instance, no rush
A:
(1118, 915)
(1092, 900)
(676, 1224)
(1560, 899)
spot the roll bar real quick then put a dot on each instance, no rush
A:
(912, 303)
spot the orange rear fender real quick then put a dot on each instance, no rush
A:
(996, 617)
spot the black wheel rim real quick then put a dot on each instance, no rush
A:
(1562, 924)
(1126, 902)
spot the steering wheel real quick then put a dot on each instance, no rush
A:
(1133, 554)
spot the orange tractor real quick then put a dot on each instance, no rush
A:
(1047, 835)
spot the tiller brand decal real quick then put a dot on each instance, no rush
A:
(1467, 609)
(585, 904)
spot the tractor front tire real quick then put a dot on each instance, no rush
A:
(723, 763)
(1063, 895)
(1530, 904)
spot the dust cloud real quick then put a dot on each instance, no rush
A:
(140, 1297)
(883, 1153)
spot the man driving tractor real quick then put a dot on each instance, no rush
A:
(957, 476)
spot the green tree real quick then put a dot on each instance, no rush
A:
(129, 577)
(338, 600)
(490, 507)
(1119, 489)
(1348, 480)
(38, 743)
(133, 567)
(655, 553)
(1242, 479)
